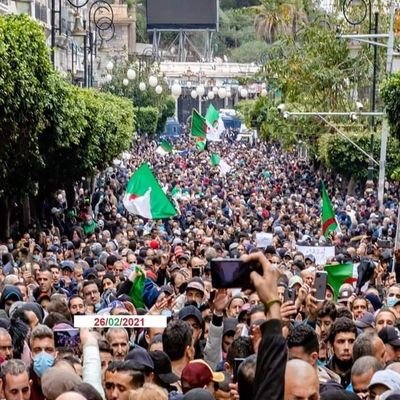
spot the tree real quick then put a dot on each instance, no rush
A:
(275, 18)
(86, 130)
(146, 98)
(147, 118)
(391, 97)
(25, 70)
(343, 158)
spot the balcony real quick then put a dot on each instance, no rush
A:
(4, 6)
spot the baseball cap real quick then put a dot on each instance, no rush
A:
(191, 311)
(142, 357)
(310, 257)
(230, 325)
(68, 264)
(162, 367)
(344, 294)
(196, 285)
(387, 377)
(90, 273)
(294, 280)
(366, 321)
(390, 335)
(198, 374)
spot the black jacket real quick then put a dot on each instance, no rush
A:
(269, 383)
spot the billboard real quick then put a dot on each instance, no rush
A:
(182, 14)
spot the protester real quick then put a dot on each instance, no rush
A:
(274, 337)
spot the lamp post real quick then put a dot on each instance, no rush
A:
(100, 14)
(389, 65)
(366, 10)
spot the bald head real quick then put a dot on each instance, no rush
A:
(70, 396)
(301, 381)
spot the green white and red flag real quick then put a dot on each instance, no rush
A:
(329, 223)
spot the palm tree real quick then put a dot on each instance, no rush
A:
(278, 17)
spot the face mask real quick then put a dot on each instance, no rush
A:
(391, 301)
(42, 362)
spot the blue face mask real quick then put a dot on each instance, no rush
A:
(42, 362)
(391, 301)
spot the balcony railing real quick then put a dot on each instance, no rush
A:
(4, 4)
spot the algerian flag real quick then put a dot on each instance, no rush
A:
(136, 292)
(339, 274)
(328, 218)
(199, 125)
(165, 147)
(201, 144)
(215, 124)
(224, 167)
(144, 196)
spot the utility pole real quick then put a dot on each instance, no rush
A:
(385, 124)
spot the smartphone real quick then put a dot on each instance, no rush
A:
(232, 273)
(321, 279)
(212, 295)
(289, 295)
(69, 338)
(236, 364)
(196, 271)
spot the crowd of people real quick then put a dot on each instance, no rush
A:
(273, 341)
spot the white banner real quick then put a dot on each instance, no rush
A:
(321, 253)
(263, 240)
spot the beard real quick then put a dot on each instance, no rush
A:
(343, 365)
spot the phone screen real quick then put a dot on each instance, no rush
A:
(230, 273)
(196, 271)
(69, 338)
(236, 365)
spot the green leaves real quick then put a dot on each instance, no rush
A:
(147, 118)
(52, 133)
(164, 103)
(390, 93)
(86, 130)
(24, 82)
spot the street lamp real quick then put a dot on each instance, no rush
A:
(131, 74)
(364, 9)
(193, 93)
(158, 89)
(153, 81)
(221, 92)
(142, 86)
(200, 90)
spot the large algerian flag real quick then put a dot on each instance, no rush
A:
(224, 167)
(339, 274)
(145, 197)
(215, 124)
(165, 147)
(199, 125)
(328, 219)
